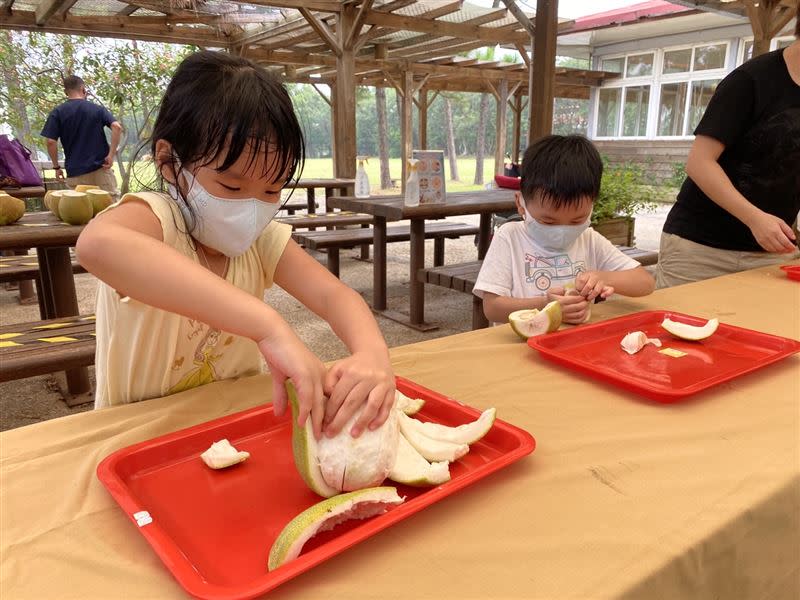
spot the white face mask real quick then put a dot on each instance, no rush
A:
(229, 226)
(554, 237)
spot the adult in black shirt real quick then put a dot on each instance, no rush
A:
(742, 194)
(80, 125)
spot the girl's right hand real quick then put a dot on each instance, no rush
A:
(574, 309)
(288, 358)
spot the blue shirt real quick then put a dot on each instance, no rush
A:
(80, 126)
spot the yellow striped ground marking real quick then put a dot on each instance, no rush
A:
(54, 340)
(52, 326)
(9, 344)
(8, 336)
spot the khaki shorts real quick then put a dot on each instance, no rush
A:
(102, 178)
(682, 261)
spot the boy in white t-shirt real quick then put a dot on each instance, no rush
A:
(535, 261)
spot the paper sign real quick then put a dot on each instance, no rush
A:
(431, 175)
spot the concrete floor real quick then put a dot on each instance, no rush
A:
(40, 398)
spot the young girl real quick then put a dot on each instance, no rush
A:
(183, 273)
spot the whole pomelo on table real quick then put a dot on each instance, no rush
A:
(100, 199)
(75, 208)
(325, 515)
(11, 209)
(82, 187)
(529, 322)
(55, 199)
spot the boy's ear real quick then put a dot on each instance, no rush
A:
(164, 161)
(520, 204)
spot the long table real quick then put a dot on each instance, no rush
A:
(392, 208)
(623, 498)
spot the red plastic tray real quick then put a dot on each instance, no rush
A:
(792, 271)
(730, 352)
(213, 529)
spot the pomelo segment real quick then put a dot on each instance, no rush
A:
(326, 515)
(222, 454)
(349, 463)
(529, 322)
(429, 448)
(411, 468)
(410, 406)
(463, 434)
(636, 340)
(304, 448)
(690, 332)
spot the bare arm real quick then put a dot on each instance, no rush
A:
(52, 151)
(770, 232)
(116, 134)
(123, 248)
(497, 308)
(631, 282)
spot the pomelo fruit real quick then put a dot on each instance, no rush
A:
(410, 406)
(11, 209)
(222, 454)
(325, 515)
(411, 468)
(529, 322)
(429, 448)
(690, 332)
(636, 340)
(82, 187)
(468, 433)
(100, 200)
(75, 208)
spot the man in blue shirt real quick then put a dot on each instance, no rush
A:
(80, 125)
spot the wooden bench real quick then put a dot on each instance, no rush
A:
(335, 240)
(329, 220)
(292, 207)
(28, 349)
(19, 268)
(462, 278)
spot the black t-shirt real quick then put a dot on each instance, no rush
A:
(755, 112)
(80, 125)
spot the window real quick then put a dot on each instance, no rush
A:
(608, 112)
(677, 61)
(634, 111)
(639, 65)
(671, 109)
(748, 50)
(701, 94)
(710, 57)
(785, 42)
(613, 65)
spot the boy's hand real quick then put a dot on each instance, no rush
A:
(574, 309)
(288, 358)
(361, 379)
(589, 285)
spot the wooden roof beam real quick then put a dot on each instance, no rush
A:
(443, 28)
(328, 36)
(47, 9)
(331, 6)
(521, 16)
(355, 31)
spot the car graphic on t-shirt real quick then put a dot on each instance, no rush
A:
(542, 271)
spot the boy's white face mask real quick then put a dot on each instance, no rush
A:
(554, 238)
(229, 226)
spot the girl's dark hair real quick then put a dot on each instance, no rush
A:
(561, 170)
(219, 103)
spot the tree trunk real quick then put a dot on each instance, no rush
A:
(451, 141)
(22, 127)
(480, 141)
(383, 138)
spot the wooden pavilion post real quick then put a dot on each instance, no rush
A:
(406, 122)
(767, 18)
(517, 126)
(542, 82)
(423, 118)
(500, 139)
(344, 106)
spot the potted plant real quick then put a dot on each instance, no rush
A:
(622, 194)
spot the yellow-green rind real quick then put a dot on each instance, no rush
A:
(304, 526)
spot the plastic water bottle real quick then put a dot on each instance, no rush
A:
(362, 180)
(412, 183)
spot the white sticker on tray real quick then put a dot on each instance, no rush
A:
(142, 518)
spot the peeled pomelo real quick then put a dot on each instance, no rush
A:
(411, 468)
(468, 433)
(410, 406)
(222, 454)
(429, 448)
(351, 463)
(690, 332)
(529, 322)
(636, 340)
(326, 515)
(304, 448)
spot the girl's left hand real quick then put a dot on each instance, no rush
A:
(361, 379)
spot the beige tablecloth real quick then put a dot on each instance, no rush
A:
(623, 498)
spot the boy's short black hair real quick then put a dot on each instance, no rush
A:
(561, 170)
(73, 83)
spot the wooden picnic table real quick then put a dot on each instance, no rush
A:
(329, 185)
(36, 191)
(57, 298)
(392, 208)
(622, 499)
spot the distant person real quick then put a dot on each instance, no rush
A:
(736, 207)
(536, 260)
(80, 125)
